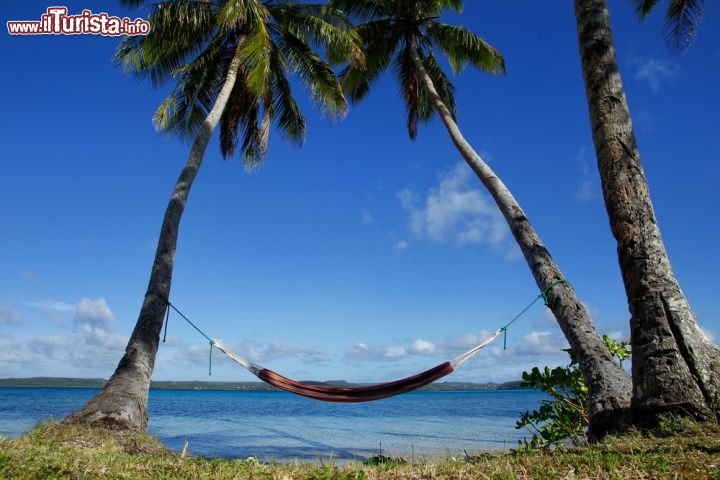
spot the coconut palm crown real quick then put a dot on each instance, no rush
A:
(389, 28)
(193, 42)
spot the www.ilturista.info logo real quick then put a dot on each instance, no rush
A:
(57, 22)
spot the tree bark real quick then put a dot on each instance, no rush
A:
(675, 368)
(122, 403)
(609, 386)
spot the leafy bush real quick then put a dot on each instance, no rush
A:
(562, 420)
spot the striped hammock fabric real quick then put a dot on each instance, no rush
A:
(365, 393)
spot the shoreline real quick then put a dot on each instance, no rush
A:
(66, 382)
(232, 424)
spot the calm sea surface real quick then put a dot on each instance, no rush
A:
(278, 425)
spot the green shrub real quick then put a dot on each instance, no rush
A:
(562, 420)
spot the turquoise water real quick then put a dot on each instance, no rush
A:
(278, 425)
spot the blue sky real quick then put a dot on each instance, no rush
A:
(362, 256)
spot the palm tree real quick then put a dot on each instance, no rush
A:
(402, 34)
(675, 368)
(681, 20)
(231, 61)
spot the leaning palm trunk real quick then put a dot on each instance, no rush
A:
(609, 385)
(675, 368)
(123, 400)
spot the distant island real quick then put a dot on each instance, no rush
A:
(59, 382)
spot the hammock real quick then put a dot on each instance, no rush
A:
(362, 393)
(355, 394)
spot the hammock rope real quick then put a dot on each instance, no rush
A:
(362, 393)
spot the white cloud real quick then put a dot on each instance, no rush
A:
(360, 351)
(193, 353)
(394, 352)
(455, 212)
(86, 311)
(53, 305)
(531, 349)
(423, 347)
(538, 344)
(94, 345)
(280, 349)
(506, 362)
(462, 343)
(255, 352)
(9, 316)
(94, 312)
(654, 72)
(418, 347)
(66, 354)
(12, 356)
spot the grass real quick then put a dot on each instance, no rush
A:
(54, 451)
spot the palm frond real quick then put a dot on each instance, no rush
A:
(364, 11)
(317, 75)
(454, 5)
(462, 47)
(179, 31)
(234, 14)
(443, 86)
(643, 7)
(380, 44)
(241, 115)
(681, 22)
(267, 117)
(323, 28)
(288, 116)
(257, 49)
(184, 110)
(410, 90)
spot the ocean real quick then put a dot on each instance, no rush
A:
(271, 425)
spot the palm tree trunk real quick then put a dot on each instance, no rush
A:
(609, 386)
(123, 400)
(675, 368)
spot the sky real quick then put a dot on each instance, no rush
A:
(361, 256)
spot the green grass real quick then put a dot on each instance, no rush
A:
(54, 451)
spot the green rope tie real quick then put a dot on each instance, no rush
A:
(542, 295)
(210, 362)
(167, 320)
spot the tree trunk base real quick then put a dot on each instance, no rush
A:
(649, 418)
(608, 422)
(112, 409)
